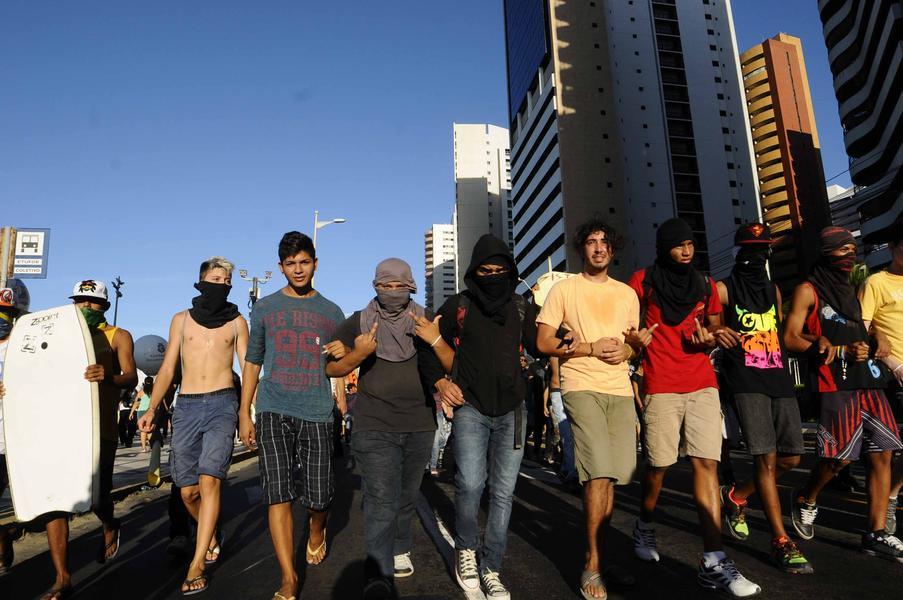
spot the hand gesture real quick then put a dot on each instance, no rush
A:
(449, 392)
(247, 432)
(641, 338)
(335, 350)
(609, 350)
(146, 422)
(826, 350)
(727, 337)
(702, 337)
(365, 343)
(94, 373)
(569, 342)
(426, 330)
(860, 351)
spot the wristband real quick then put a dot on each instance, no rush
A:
(436, 341)
(900, 366)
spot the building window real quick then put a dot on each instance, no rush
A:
(611, 210)
(601, 90)
(732, 183)
(710, 31)
(595, 45)
(604, 136)
(735, 202)
(723, 113)
(645, 126)
(607, 160)
(595, 25)
(651, 184)
(717, 80)
(727, 147)
(598, 67)
(721, 96)
(708, 17)
(713, 47)
(730, 165)
(736, 221)
(609, 184)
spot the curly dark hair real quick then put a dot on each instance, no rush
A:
(294, 242)
(615, 241)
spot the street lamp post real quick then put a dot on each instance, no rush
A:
(117, 285)
(318, 224)
(256, 282)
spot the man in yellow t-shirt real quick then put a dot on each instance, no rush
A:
(598, 397)
(882, 309)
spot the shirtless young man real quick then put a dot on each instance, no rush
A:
(206, 337)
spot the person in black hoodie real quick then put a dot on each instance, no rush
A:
(475, 367)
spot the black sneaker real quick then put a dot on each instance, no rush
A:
(890, 524)
(882, 545)
(466, 570)
(802, 515)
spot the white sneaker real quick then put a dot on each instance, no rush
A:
(466, 570)
(644, 544)
(403, 565)
(724, 576)
(493, 587)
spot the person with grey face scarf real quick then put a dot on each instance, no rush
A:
(394, 421)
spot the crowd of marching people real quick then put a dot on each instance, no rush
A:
(596, 359)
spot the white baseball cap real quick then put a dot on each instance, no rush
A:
(91, 288)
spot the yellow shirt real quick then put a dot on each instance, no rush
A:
(592, 311)
(882, 304)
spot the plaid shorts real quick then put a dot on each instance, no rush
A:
(289, 445)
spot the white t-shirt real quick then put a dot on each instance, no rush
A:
(3, 346)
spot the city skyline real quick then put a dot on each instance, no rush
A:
(247, 126)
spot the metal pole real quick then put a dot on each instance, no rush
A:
(117, 285)
(316, 223)
(4, 257)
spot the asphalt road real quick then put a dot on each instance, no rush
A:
(544, 558)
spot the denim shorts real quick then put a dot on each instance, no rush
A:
(203, 430)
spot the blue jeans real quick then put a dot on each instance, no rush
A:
(481, 442)
(440, 439)
(556, 407)
(391, 466)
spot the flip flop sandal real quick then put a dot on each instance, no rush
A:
(315, 553)
(59, 594)
(217, 548)
(190, 582)
(279, 596)
(102, 555)
(593, 578)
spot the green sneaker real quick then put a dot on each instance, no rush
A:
(787, 557)
(734, 513)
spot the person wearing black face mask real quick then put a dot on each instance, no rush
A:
(394, 422)
(825, 322)
(755, 367)
(204, 340)
(475, 368)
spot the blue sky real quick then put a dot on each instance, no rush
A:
(149, 136)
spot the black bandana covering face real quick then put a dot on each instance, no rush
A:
(212, 308)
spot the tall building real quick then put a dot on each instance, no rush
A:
(865, 50)
(787, 154)
(633, 111)
(482, 189)
(439, 257)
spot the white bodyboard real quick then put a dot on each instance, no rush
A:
(51, 414)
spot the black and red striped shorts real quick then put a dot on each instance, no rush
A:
(855, 420)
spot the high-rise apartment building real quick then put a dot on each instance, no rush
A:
(865, 50)
(633, 111)
(439, 259)
(482, 189)
(787, 154)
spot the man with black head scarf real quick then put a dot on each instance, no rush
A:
(476, 370)
(754, 363)
(394, 422)
(825, 322)
(681, 313)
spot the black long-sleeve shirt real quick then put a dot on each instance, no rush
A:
(487, 354)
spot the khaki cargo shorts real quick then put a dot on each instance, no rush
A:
(604, 430)
(688, 424)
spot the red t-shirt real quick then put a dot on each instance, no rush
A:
(671, 364)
